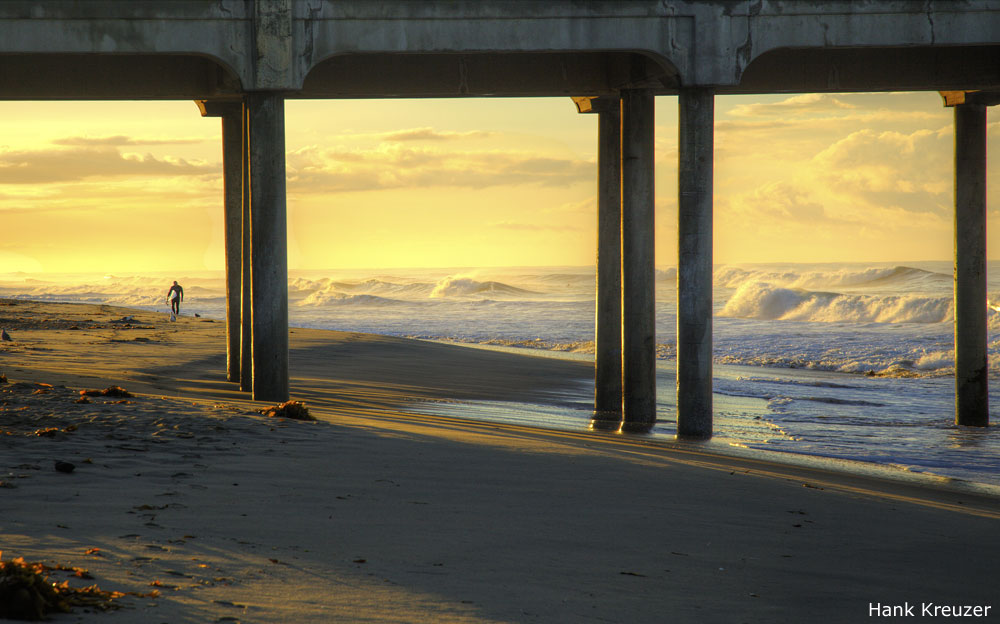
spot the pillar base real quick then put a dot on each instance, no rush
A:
(694, 437)
(637, 427)
(606, 421)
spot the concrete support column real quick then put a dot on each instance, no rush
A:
(608, 326)
(638, 262)
(232, 177)
(971, 391)
(694, 263)
(268, 245)
(246, 306)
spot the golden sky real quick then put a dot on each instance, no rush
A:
(136, 186)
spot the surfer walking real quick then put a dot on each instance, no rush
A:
(175, 296)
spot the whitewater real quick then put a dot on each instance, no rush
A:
(841, 363)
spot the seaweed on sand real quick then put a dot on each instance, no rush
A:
(26, 593)
(296, 410)
(113, 391)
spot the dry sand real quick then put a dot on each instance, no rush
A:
(374, 514)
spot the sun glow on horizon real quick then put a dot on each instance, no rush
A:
(111, 187)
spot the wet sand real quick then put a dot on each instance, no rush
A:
(375, 514)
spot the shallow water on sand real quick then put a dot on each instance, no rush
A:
(803, 416)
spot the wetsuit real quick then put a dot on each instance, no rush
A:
(175, 303)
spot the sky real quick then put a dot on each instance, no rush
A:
(136, 186)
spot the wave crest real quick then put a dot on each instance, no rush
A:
(332, 297)
(765, 301)
(912, 278)
(456, 286)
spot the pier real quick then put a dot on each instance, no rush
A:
(240, 60)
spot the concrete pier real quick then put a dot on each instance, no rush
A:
(608, 325)
(248, 51)
(246, 303)
(232, 166)
(638, 262)
(268, 245)
(971, 391)
(694, 263)
(231, 114)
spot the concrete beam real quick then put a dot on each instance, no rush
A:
(273, 45)
(694, 263)
(148, 76)
(268, 246)
(117, 49)
(981, 98)
(638, 262)
(971, 370)
(584, 104)
(525, 74)
(824, 70)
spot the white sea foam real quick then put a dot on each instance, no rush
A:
(458, 286)
(327, 298)
(910, 278)
(326, 291)
(666, 275)
(764, 300)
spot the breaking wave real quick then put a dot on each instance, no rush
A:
(382, 292)
(905, 277)
(465, 287)
(326, 298)
(767, 301)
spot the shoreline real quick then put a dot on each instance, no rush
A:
(720, 443)
(379, 514)
(430, 396)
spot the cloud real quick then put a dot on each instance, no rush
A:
(913, 171)
(430, 134)
(586, 206)
(797, 104)
(394, 166)
(812, 124)
(779, 200)
(78, 163)
(120, 139)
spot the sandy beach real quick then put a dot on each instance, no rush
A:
(372, 513)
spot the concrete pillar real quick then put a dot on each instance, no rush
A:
(233, 162)
(694, 263)
(608, 326)
(232, 177)
(246, 306)
(268, 245)
(638, 262)
(971, 391)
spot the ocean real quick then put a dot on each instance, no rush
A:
(844, 363)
